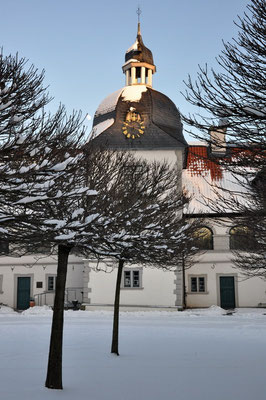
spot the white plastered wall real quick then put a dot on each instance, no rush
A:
(157, 288)
(171, 156)
(37, 268)
(218, 262)
(248, 292)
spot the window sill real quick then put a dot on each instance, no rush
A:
(197, 292)
(132, 288)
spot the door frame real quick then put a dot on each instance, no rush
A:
(16, 276)
(219, 289)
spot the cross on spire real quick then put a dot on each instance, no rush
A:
(138, 12)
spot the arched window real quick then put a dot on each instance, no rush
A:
(204, 238)
(241, 238)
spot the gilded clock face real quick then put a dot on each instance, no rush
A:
(133, 126)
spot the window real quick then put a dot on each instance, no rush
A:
(127, 279)
(51, 280)
(39, 249)
(197, 284)
(1, 284)
(132, 278)
(4, 247)
(204, 238)
(38, 285)
(241, 238)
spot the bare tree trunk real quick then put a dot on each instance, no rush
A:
(184, 283)
(54, 370)
(114, 348)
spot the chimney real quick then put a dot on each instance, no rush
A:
(217, 137)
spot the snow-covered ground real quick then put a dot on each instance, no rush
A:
(199, 354)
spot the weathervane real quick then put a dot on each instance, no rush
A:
(138, 12)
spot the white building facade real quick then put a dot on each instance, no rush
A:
(139, 119)
(214, 279)
(30, 280)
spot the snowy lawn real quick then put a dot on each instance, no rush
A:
(199, 354)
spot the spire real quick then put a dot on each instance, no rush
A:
(138, 12)
(139, 33)
(139, 66)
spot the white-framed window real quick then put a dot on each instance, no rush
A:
(198, 283)
(132, 278)
(51, 280)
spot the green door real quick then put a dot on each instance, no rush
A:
(23, 293)
(227, 292)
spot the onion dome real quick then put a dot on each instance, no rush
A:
(138, 51)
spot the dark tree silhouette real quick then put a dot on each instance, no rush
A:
(236, 97)
(144, 222)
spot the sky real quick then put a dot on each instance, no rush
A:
(81, 44)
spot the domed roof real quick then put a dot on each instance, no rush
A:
(159, 116)
(138, 51)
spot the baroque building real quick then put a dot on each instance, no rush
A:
(140, 119)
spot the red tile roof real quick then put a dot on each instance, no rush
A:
(199, 163)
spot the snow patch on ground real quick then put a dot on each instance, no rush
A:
(163, 355)
(213, 310)
(6, 310)
(38, 310)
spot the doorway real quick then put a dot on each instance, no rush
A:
(23, 292)
(227, 292)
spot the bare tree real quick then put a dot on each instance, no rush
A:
(31, 141)
(236, 96)
(144, 222)
(40, 156)
(250, 233)
(56, 191)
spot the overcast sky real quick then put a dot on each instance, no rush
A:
(81, 43)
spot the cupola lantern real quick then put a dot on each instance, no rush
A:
(139, 66)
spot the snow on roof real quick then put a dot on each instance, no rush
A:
(134, 46)
(133, 93)
(129, 93)
(208, 196)
(109, 103)
(199, 163)
(197, 143)
(129, 61)
(102, 126)
(209, 186)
